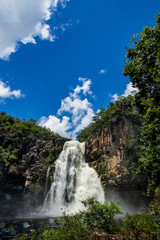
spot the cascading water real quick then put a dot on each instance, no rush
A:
(47, 176)
(74, 181)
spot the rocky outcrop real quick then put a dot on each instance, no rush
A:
(107, 152)
(35, 155)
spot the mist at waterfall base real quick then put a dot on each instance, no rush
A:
(74, 181)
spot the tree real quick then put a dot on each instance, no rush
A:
(143, 62)
(143, 68)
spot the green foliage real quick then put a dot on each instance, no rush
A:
(143, 68)
(100, 217)
(23, 236)
(18, 129)
(54, 152)
(155, 207)
(141, 227)
(155, 204)
(7, 157)
(69, 227)
(13, 134)
(143, 61)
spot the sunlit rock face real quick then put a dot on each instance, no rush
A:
(74, 181)
(107, 153)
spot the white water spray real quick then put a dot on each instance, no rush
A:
(47, 177)
(74, 181)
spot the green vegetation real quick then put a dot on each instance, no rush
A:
(14, 128)
(143, 68)
(98, 218)
(141, 227)
(69, 228)
(14, 134)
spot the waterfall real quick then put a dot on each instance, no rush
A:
(47, 176)
(73, 182)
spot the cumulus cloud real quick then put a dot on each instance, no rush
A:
(130, 90)
(6, 92)
(74, 114)
(57, 125)
(23, 21)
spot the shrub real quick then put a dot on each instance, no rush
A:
(141, 227)
(100, 217)
(69, 227)
(155, 207)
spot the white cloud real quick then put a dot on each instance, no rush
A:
(56, 125)
(114, 97)
(86, 120)
(24, 20)
(75, 112)
(130, 90)
(6, 92)
(102, 71)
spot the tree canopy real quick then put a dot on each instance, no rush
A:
(143, 62)
(143, 68)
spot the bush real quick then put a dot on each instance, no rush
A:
(141, 227)
(155, 207)
(69, 228)
(100, 217)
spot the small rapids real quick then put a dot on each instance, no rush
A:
(73, 182)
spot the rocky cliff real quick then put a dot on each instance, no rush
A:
(113, 144)
(108, 153)
(35, 155)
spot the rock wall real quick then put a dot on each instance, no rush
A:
(34, 158)
(107, 153)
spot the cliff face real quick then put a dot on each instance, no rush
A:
(26, 151)
(35, 155)
(111, 152)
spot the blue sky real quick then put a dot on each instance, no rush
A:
(50, 47)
